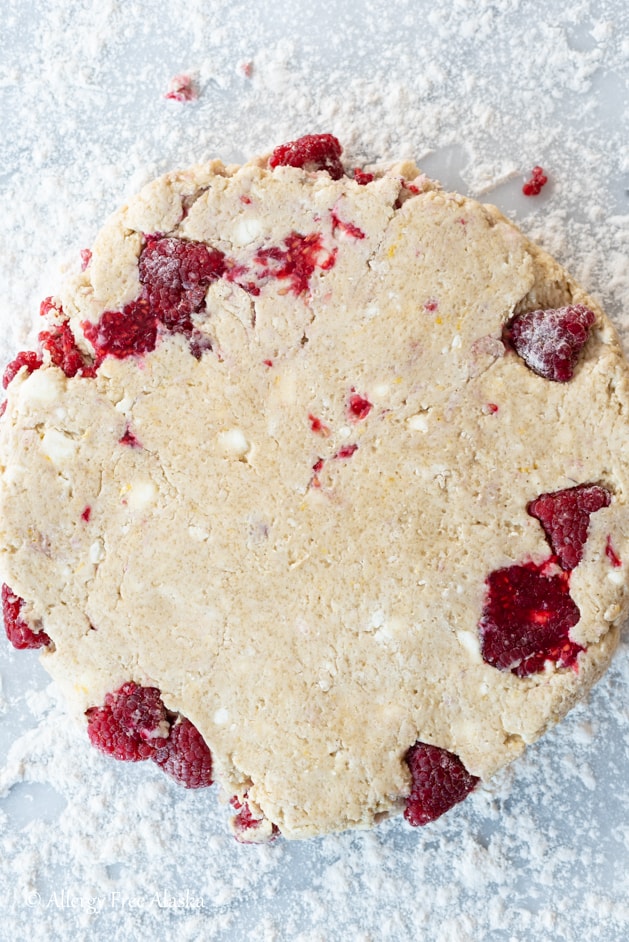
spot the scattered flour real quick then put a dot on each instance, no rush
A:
(478, 93)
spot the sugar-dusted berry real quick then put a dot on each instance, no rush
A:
(550, 341)
(185, 756)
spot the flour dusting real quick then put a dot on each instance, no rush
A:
(478, 94)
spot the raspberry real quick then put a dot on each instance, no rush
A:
(611, 553)
(185, 756)
(64, 353)
(19, 633)
(128, 438)
(311, 152)
(130, 725)
(346, 451)
(533, 187)
(125, 333)
(296, 261)
(362, 178)
(526, 620)
(175, 275)
(358, 408)
(439, 781)
(28, 358)
(86, 258)
(181, 88)
(347, 227)
(550, 341)
(246, 827)
(565, 517)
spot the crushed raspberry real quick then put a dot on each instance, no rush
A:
(87, 513)
(565, 517)
(311, 152)
(181, 88)
(86, 258)
(130, 725)
(491, 408)
(527, 618)
(533, 187)
(431, 304)
(19, 633)
(439, 781)
(268, 362)
(348, 227)
(64, 353)
(129, 439)
(611, 553)
(245, 824)
(346, 451)
(3, 408)
(176, 275)
(362, 178)
(317, 426)
(47, 306)
(550, 341)
(358, 407)
(296, 261)
(130, 332)
(185, 756)
(28, 358)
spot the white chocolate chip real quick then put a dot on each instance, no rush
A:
(140, 494)
(58, 446)
(233, 443)
(221, 716)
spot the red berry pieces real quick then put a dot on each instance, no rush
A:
(317, 426)
(611, 553)
(533, 187)
(130, 725)
(176, 275)
(349, 228)
(129, 439)
(64, 353)
(19, 633)
(550, 341)
(526, 620)
(87, 513)
(185, 756)
(28, 358)
(358, 407)
(181, 88)
(246, 826)
(130, 332)
(346, 451)
(296, 261)
(565, 517)
(439, 781)
(311, 152)
(86, 258)
(362, 178)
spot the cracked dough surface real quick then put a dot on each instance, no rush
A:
(312, 606)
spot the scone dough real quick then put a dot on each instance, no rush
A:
(302, 576)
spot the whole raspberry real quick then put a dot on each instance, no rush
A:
(19, 633)
(311, 152)
(185, 756)
(175, 276)
(28, 358)
(130, 725)
(439, 781)
(565, 517)
(550, 341)
(526, 620)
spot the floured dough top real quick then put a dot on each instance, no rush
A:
(284, 517)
